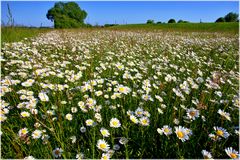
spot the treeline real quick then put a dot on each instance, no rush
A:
(230, 17)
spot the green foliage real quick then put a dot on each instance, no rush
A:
(231, 17)
(171, 21)
(67, 15)
(159, 22)
(182, 21)
(150, 21)
(221, 19)
(229, 28)
(15, 34)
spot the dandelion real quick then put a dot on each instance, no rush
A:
(115, 123)
(57, 152)
(104, 132)
(232, 153)
(102, 145)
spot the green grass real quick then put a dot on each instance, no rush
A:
(186, 27)
(15, 34)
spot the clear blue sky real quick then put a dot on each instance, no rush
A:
(33, 13)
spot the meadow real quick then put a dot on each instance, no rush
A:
(121, 93)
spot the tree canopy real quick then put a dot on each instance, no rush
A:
(230, 17)
(67, 15)
(171, 21)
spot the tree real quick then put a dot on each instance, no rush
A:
(67, 15)
(159, 22)
(150, 21)
(231, 17)
(221, 19)
(171, 21)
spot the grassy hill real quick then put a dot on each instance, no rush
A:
(185, 27)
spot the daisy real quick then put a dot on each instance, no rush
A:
(105, 156)
(69, 117)
(102, 145)
(167, 130)
(89, 122)
(134, 119)
(57, 152)
(224, 114)
(232, 153)
(139, 112)
(144, 121)
(192, 113)
(36, 134)
(221, 132)
(104, 132)
(206, 154)
(115, 123)
(28, 83)
(22, 132)
(43, 97)
(181, 133)
(25, 114)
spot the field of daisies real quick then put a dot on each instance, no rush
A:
(101, 94)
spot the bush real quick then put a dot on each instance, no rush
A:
(150, 21)
(171, 21)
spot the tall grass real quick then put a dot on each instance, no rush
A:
(15, 34)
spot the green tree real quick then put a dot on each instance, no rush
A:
(231, 17)
(67, 15)
(221, 19)
(171, 21)
(150, 21)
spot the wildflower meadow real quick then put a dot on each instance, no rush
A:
(120, 94)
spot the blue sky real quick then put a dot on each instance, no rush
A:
(33, 13)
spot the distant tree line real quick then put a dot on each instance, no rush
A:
(230, 17)
(150, 21)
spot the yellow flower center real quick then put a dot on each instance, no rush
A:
(144, 121)
(219, 132)
(115, 123)
(121, 89)
(233, 155)
(180, 134)
(24, 131)
(103, 146)
(166, 130)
